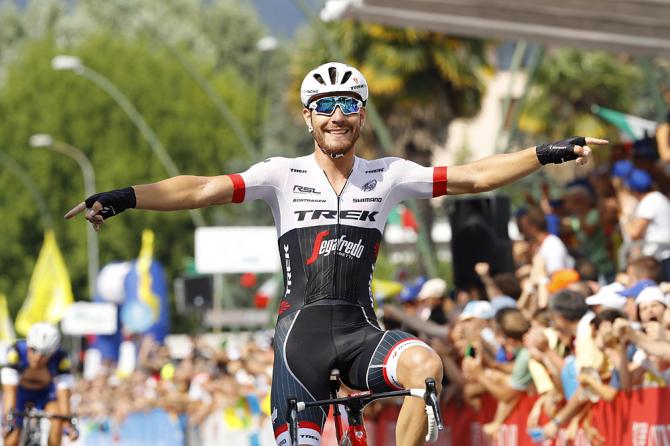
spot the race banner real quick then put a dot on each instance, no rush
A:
(637, 418)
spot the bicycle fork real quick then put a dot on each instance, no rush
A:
(355, 434)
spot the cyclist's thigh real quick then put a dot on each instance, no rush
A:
(302, 364)
(375, 368)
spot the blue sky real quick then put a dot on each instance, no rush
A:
(283, 17)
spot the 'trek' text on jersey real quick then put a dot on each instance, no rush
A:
(332, 214)
(329, 242)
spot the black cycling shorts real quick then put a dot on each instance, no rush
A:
(318, 338)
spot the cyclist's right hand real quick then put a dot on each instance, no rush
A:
(104, 205)
(8, 424)
(72, 431)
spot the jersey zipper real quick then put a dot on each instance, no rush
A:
(337, 226)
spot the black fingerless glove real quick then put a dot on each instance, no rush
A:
(113, 202)
(560, 151)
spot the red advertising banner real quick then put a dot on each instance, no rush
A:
(638, 418)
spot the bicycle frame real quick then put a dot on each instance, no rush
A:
(356, 434)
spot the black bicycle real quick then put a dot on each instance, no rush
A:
(355, 435)
(31, 430)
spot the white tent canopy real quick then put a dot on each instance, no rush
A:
(640, 27)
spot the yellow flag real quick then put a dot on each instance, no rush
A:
(383, 289)
(145, 292)
(6, 327)
(49, 292)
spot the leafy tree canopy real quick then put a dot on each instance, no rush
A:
(218, 38)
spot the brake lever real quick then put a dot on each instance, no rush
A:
(430, 398)
(293, 420)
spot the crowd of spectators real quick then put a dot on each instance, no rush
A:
(210, 380)
(584, 314)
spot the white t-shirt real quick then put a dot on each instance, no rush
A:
(655, 207)
(555, 254)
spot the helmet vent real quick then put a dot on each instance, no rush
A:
(332, 72)
(346, 77)
(319, 79)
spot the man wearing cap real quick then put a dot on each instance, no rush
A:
(650, 222)
(430, 300)
(631, 295)
(476, 317)
(607, 297)
(651, 304)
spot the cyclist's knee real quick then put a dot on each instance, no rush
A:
(416, 364)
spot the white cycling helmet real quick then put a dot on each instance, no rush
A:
(43, 338)
(333, 77)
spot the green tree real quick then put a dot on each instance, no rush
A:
(36, 99)
(568, 83)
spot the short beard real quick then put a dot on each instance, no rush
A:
(319, 138)
(335, 153)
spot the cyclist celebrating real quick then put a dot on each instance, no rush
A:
(330, 208)
(37, 373)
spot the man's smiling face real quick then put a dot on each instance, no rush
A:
(337, 133)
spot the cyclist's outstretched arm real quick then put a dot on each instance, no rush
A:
(172, 194)
(498, 170)
(260, 181)
(184, 192)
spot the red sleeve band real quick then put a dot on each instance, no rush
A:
(439, 181)
(238, 187)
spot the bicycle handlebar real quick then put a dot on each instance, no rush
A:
(42, 414)
(359, 400)
(9, 422)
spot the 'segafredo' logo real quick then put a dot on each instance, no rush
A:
(340, 245)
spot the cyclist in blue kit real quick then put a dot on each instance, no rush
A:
(37, 373)
(330, 208)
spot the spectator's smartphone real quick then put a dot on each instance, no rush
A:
(536, 435)
(470, 351)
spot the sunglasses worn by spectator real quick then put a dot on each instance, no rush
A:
(326, 106)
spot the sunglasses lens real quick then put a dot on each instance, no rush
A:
(326, 106)
(349, 105)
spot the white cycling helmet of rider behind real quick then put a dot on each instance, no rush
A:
(44, 338)
(333, 77)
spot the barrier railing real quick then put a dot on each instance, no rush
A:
(637, 418)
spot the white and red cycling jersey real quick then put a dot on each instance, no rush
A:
(328, 243)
